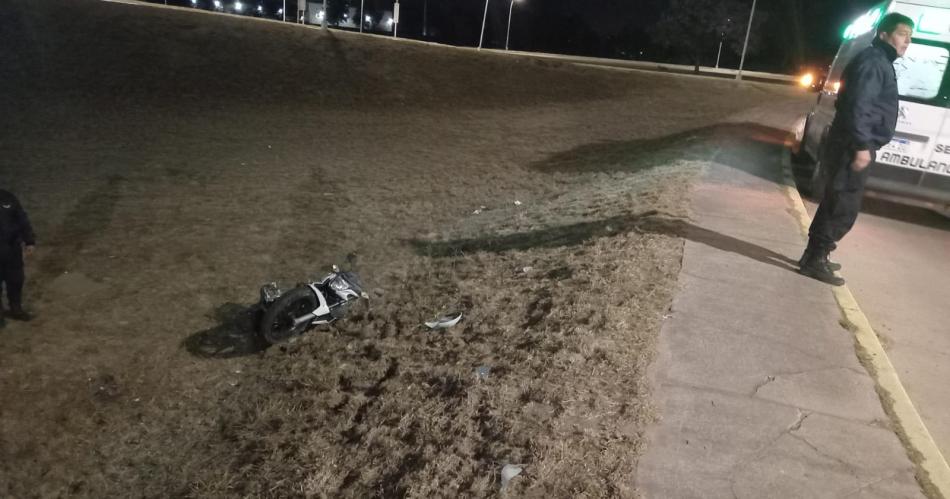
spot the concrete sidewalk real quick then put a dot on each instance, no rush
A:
(759, 389)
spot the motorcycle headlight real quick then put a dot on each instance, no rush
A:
(339, 284)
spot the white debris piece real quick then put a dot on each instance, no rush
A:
(508, 472)
(446, 321)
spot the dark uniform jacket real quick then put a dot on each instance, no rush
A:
(15, 227)
(867, 105)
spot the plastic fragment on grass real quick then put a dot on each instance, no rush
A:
(444, 322)
(482, 372)
(508, 472)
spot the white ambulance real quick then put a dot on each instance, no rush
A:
(915, 167)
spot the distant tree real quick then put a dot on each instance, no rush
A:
(695, 27)
(629, 43)
(456, 22)
(336, 8)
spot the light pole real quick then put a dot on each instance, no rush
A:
(396, 20)
(508, 36)
(362, 19)
(484, 17)
(746, 44)
(283, 13)
(720, 52)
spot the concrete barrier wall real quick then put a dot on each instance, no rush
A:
(657, 66)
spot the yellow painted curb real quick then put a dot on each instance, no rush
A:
(933, 471)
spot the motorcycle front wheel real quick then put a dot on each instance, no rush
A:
(277, 325)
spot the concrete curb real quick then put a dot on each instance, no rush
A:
(933, 472)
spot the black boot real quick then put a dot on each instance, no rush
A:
(816, 266)
(18, 314)
(808, 251)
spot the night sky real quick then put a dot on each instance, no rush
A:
(614, 28)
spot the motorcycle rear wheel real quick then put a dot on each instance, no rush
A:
(277, 325)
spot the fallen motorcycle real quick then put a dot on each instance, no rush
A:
(288, 314)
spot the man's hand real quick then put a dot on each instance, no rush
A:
(861, 160)
(28, 250)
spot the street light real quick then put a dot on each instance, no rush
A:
(396, 20)
(746, 44)
(361, 16)
(481, 37)
(508, 36)
(720, 50)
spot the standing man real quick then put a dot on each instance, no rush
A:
(865, 119)
(16, 239)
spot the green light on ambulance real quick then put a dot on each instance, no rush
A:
(863, 24)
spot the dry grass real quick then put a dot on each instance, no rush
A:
(172, 163)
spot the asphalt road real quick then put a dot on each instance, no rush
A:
(897, 263)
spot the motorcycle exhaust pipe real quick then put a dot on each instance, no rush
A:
(303, 319)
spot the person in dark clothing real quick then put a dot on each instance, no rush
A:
(16, 239)
(865, 120)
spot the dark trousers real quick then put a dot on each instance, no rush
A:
(11, 273)
(844, 191)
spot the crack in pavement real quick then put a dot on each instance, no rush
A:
(869, 484)
(799, 419)
(772, 377)
(838, 460)
(798, 425)
(676, 383)
(755, 390)
(802, 416)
